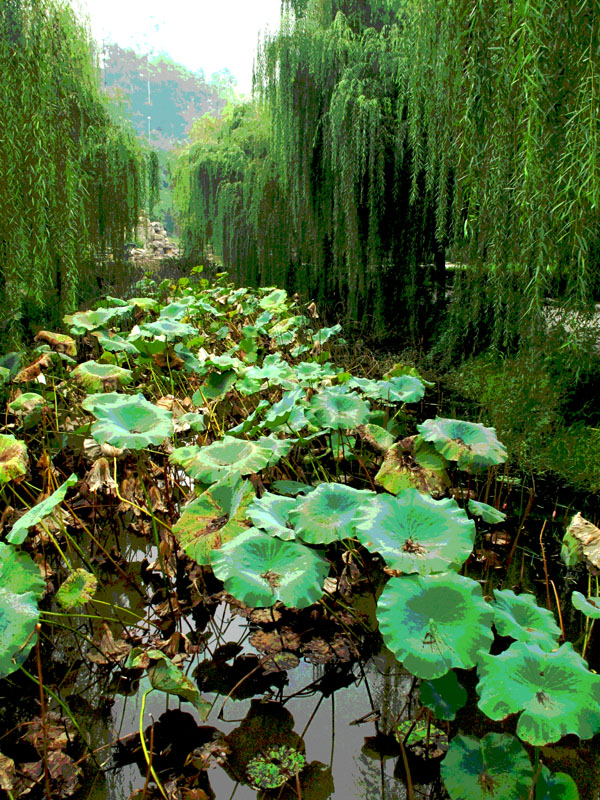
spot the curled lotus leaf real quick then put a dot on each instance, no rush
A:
(555, 692)
(209, 464)
(128, 421)
(496, 767)
(486, 512)
(21, 585)
(39, 512)
(272, 514)
(338, 409)
(327, 514)
(94, 377)
(279, 414)
(170, 329)
(113, 343)
(444, 696)
(519, 616)
(473, 446)
(590, 606)
(83, 321)
(13, 458)
(215, 517)
(77, 589)
(434, 623)
(259, 570)
(415, 533)
(584, 538)
(376, 437)
(59, 342)
(555, 786)
(26, 403)
(413, 463)
(145, 303)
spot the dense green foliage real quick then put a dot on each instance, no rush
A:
(399, 133)
(72, 178)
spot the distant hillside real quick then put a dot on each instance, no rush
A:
(156, 87)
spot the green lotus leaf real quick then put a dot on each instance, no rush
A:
(19, 573)
(280, 413)
(486, 512)
(77, 589)
(308, 373)
(145, 303)
(555, 691)
(94, 377)
(21, 586)
(12, 362)
(377, 437)
(83, 321)
(248, 386)
(292, 487)
(402, 389)
(115, 301)
(415, 533)
(147, 347)
(114, 343)
(444, 696)
(209, 464)
(368, 386)
(13, 458)
(217, 385)
(571, 552)
(252, 424)
(493, 768)
(170, 329)
(324, 334)
(214, 518)
(226, 361)
(4, 375)
(128, 421)
(274, 370)
(174, 311)
(275, 301)
(190, 362)
(470, 444)
(25, 404)
(192, 420)
(413, 463)
(271, 514)
(520, 616)
(555, 786)
(590, 606)
(327, 514)
(338, 409)
(404, 369)
(434, 623)
(39, 512)
(259, 570)
(167, 677)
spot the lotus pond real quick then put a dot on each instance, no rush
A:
(236, 560)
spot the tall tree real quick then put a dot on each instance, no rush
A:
(72, 177)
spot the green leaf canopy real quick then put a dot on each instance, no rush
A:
(327, 514)
(555, 691)
(493, 768)
(415, 533)
(470, 444)
(260, 569)
(214, 518)
(128, 421)
(434, 623)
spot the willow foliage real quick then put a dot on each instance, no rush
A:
(403, 131)
(72, 177)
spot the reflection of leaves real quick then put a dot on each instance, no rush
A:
(267, 724)
(495, 768)
(241, 680)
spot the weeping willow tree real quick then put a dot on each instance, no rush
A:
(403, 131)
(72, 177)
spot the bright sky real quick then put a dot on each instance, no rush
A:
(207, 35)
